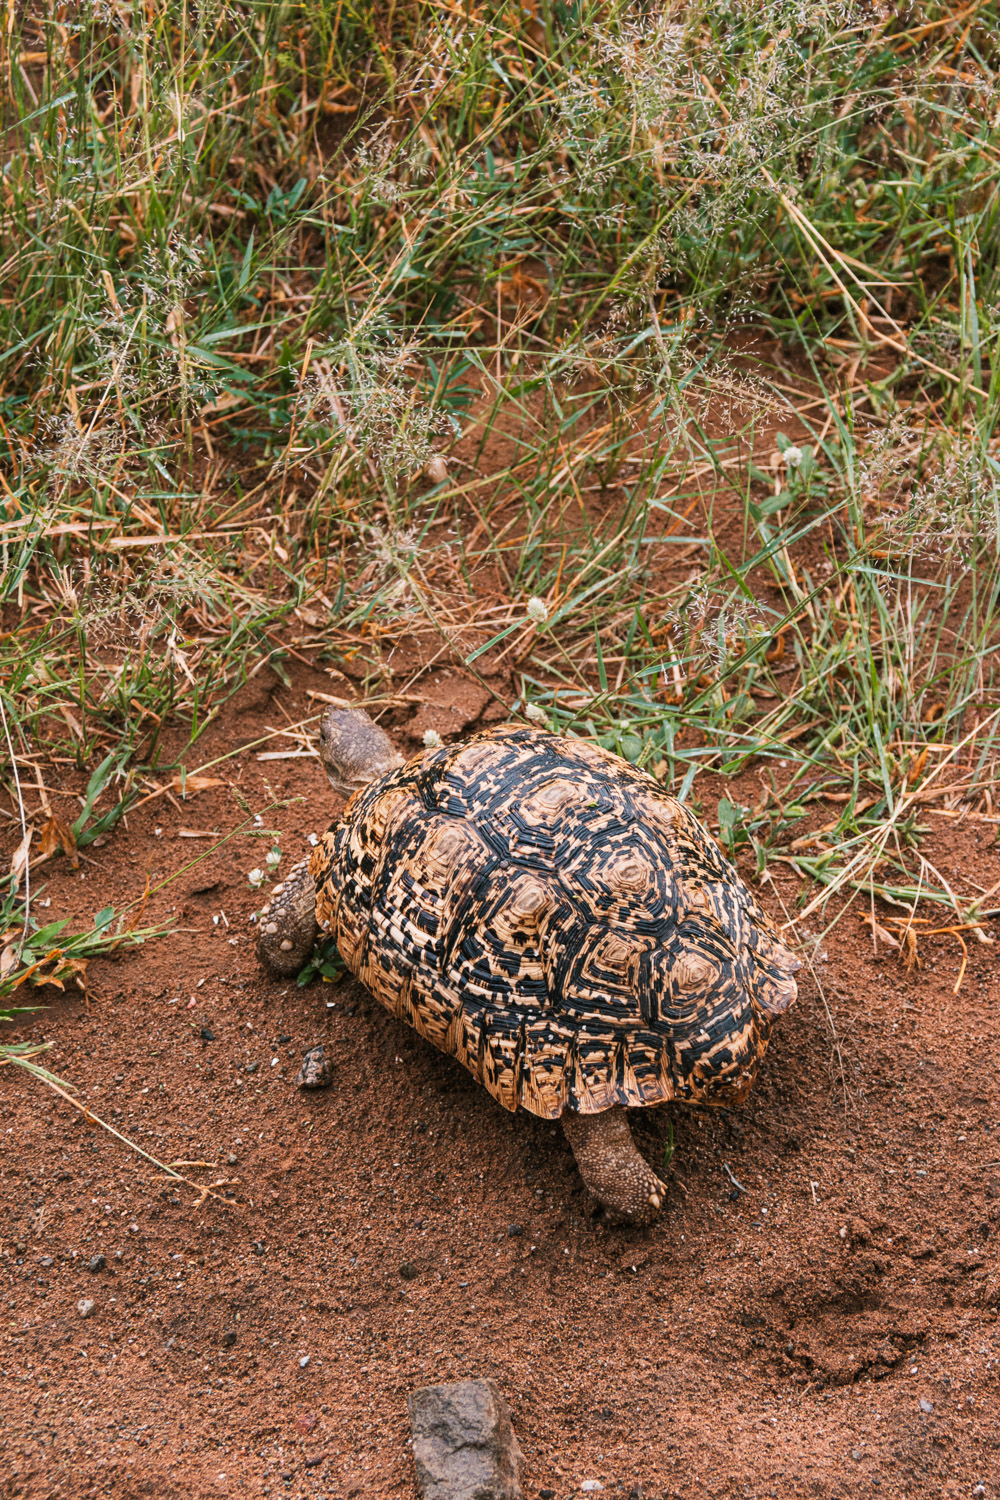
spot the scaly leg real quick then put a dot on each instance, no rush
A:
(287, 931)
(611, 1167)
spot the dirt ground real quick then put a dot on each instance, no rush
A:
(815, 1313)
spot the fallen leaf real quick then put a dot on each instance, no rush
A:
(19, 859)
(59, 835)
(190, 786)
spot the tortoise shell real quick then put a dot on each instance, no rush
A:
(543, 911)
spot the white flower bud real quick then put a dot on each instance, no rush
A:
(534, 713)
(792, 457)
(274, 857)
(432, 740)
(538, 610)
(256, 878)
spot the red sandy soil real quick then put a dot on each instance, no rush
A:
(829, 1330)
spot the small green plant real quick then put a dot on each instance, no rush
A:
(668, 1148)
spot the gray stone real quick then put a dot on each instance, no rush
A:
(463, 1444)
(86, 1307)
(316, 1071)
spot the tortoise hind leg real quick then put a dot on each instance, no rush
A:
(611, 1167)
(287, 930)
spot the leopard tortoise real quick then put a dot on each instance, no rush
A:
(543, 911)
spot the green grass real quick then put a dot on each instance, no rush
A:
(260, 262)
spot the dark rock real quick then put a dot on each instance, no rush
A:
(408, 1271)
(316, 1071)
(251, 1067)
(228, 1339)
(97, 1263)
(207, 1034)
(283, 1039)
(514, 1230)
(463, 1444)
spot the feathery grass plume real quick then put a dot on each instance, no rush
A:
(714, 627)
(931, 498)
(366, 390)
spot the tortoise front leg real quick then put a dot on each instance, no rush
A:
(287, 930)
(610, 1165)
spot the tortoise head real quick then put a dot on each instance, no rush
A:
(354, 750)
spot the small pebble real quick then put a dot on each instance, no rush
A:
(316, 1071)
(231, 1160)
(513, 1230)
(207, 1034)
(20, 1247)
(86, 1307)
(926, 1406)
(303, 1361)
(251, 1067)
(257, 1248)
(408, 1270)
(228, 1339)
(857, 1455)
(591, 1486)
(97, 1263)
(46, 1261)
(283, 1039)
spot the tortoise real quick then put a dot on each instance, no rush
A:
(546, 913)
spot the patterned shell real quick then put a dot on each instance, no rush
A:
(544, 912)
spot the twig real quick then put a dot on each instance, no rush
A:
(23, 1061)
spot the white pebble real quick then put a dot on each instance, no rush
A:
(286, 945)
(86, 1307)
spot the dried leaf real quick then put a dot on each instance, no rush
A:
(65, 971)
(8, 958)
(190, 786)
(138, 910)
(916, 770)
(19, 859)
(58, 834)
